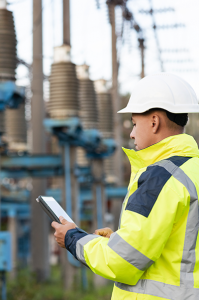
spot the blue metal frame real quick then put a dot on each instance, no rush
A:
(86, 193)
(99, 206)
(5, 251)
(11, 95)
(72, 133)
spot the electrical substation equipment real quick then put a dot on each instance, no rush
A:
(13, 121)
(87, 107)
(63, 101)
(106, 123)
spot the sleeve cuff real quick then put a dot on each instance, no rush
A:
(71, 238)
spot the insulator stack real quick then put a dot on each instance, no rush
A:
(109, 170)
(87, 99)
(16, 128)
(105, 125)
(63, 101)
(82, 160)
(15, 123)
(8, 42)
(88, 107)
(105, 109)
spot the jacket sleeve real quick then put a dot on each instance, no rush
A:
(146, 225)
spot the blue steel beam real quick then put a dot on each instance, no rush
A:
(21, 195)
(40, 173)
(31, 162)
(17, 207)
(72, 133)
(72, 125)
(86, 194)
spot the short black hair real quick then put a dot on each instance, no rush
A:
(179, 119)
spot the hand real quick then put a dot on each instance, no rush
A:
(106, 232)
(61, 229)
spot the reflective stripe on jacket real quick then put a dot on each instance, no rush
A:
(155, 252)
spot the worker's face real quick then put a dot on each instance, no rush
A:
(142, 132)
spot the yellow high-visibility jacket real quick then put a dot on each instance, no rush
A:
(155, 252)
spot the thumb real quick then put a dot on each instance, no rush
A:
(63, 221)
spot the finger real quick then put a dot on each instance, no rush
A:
(99, 232)
(63, 221)
(96, 232)
(55, 225)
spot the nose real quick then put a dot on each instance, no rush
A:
(132, 134)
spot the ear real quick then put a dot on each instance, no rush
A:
(155, 122)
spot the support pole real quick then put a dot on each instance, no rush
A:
(116, 99)
(69, 203)
(141, 46)
(116, 205)
(99, 206)
(12, 228)
(39, 220)
(66, 22)
(3, 287)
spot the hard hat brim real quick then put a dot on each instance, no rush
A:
(194, 108)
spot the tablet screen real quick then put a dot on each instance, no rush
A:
(56, 208)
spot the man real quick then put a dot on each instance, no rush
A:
(155, 252)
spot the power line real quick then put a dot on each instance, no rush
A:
(156, 38)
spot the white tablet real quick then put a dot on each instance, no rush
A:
(53, 209)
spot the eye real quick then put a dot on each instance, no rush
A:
(134, 124)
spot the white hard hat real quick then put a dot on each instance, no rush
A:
(162, 90)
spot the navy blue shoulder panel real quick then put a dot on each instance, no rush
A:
(178, 160)
(150, 185)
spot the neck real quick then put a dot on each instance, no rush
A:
(158, 137)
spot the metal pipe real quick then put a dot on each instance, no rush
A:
(67, 180)
(3, 290)
(39, 220)
(66, 22)
(116, 98)
(67, 168)
(84, 278)
(99, 207)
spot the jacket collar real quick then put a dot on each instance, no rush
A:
(176, 145)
